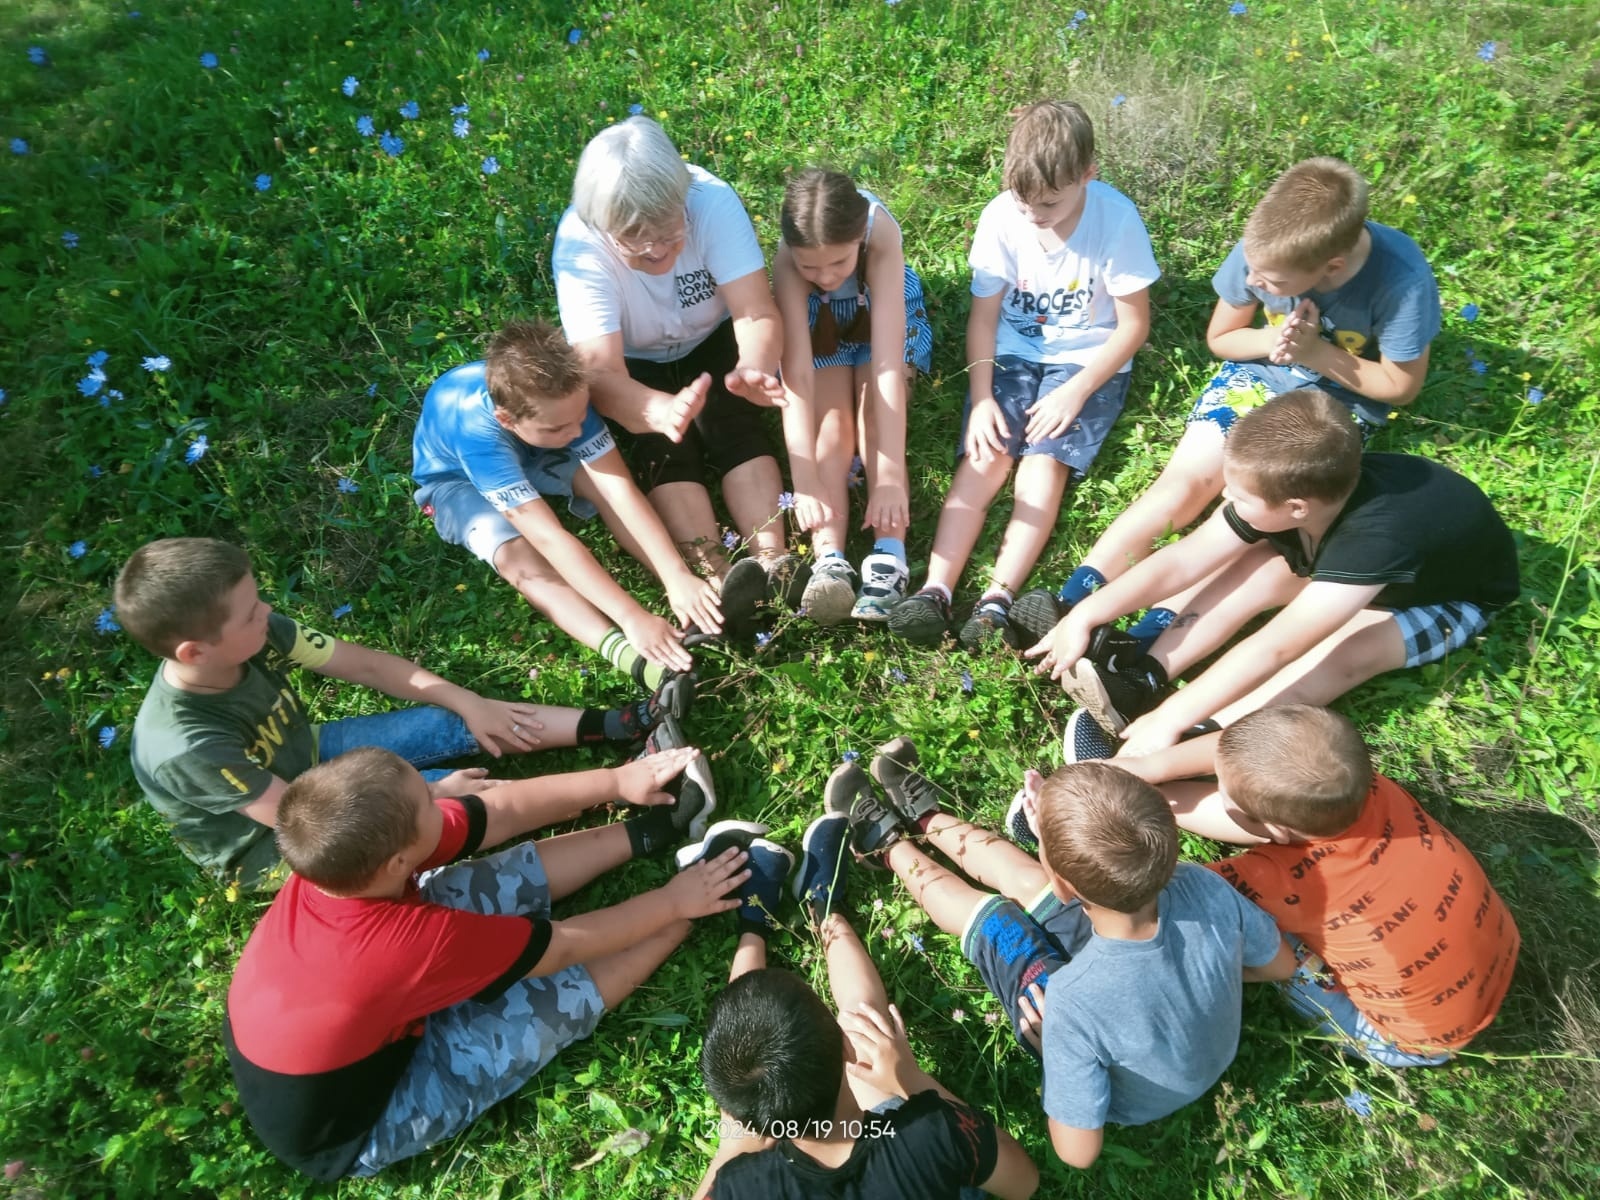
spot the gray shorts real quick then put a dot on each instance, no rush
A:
(474, 1055)
(463, 517)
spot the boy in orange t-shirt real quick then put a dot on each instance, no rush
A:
(1404, 945)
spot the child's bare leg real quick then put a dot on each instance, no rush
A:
(868, 402)
(616, 976)
(1257, 581)
(573, 859)
(685, 509)
(835, 445)
(988, 857)
(1041, 482)
(542, 586)
(946, 897)
(751, 492)
(1191, 479)
(1368, 644)
(961, 519)
(749, 955)
(1200, 808)
(584, 489)
(852, 975)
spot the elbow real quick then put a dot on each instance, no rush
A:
(1082, 1159)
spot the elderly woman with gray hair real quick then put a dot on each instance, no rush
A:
(663, 293)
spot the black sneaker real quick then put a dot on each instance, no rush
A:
(987, 624)
(874, 826)
(1017, 827)
(674, 698)
(1084, 741)
(1035, 614)
(769, 866)
(1113, 649)
(922, 618)
(696, 795)
(819, 884)
(1113, 698)
(745, 590)
(912, 793)
(787, 576)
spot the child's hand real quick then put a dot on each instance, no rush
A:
(1299, 337)
(756, 386)
(987, 431)
(1032, 781)
(499, 726)
(468, 781)
(888, 510)
(699, 891)
(695, 600)
(656, 639)
(1058, 652)
(1030, 1016)
(811, 511)
(883, 1057)
(640, 781)
(1052, 414)
(671, 415)
(1150, 733)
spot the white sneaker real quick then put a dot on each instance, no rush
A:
(831, 590)
(883, 585)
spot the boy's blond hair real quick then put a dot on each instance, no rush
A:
(1108, 834)
(528, 364)
(1051, 147)
(1313, 212)
(175, 590)
(1302, 445)
(339, 822)
(1297, 766)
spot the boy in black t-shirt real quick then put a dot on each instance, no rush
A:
(814, 1105)
(1378, 562)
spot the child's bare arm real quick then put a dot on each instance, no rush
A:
(1380, 379)
(888, 490)
(1199, 808)
(1186, 760)
(1076, 1147)
(1233, 336)
(1051, 415)
(986, 430)
(622, 398)
(520, 806)
(1281, 967)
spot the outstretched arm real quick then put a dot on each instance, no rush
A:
(623, 399)
(520, 806)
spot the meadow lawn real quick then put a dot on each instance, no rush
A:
(222, 298)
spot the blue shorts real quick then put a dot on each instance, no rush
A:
(1238, 387)
(1018, 382)
(919, 333)
(1014, 948)
(1320, 1000)
(474, 1055)
(1433, 630)
(463, 517)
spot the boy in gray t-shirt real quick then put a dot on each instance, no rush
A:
(1145, 957)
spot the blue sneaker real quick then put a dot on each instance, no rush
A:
(769, 867)
(1084, 740)
(819, 884)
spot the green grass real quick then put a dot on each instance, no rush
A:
(278, 309)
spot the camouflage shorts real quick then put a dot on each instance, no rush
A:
(474, 1055)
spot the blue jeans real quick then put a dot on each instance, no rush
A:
(423, 735)
(1329, 1008)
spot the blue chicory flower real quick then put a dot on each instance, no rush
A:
(37, 56)
(730, 539)
(1469, 312)
(460, 110)
(106, 736)
(372, 388)
(850, 756)
(349, 86)
(392, 146)
(1118, 100)
(785, 501)
(490, 165)
(916, 943)
(896, 674)
(96, 470)
(106, 622)
(1359, 1103)
(635, 109)
(483, 56)
(1237, 8)
(966, 682)
(91, 383)
(18, 146)
(263, 182)
(461, 127)
(762, 638)
(155, 363)
(364, 126)
(1479, 367)
(97, 359)
(1487, 51)
(208, 60)
(409, 110)
(113, 394)
(348, 486)
(78, 549)
(574, 36)
(69, 239)
(1535, 395)
(197, 450)
(342, 611)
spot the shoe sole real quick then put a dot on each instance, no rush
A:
(979, 635)
(788, 579)
(745, 590)
(875, 613)
(919, 628)
(742, 833)
(1083, 684)
(828, 599)
(698, 772)
(1034, 615)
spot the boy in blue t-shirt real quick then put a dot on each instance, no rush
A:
(496, 438)
(1350, 307)
(1144, 957)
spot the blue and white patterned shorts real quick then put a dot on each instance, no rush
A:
(1018, 382)
(919, 333)
(1433, 630)
(1236, 388)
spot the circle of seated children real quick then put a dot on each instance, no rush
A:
(456, 985)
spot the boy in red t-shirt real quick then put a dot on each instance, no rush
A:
(1404, 945)
(386, 999)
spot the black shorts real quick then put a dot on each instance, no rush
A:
(729, 432)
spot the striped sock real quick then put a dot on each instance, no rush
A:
(617, 651)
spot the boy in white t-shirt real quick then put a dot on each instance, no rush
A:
(1061, 272)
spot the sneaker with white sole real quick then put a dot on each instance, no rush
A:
(696, 794)
(883, 586)
(819, 884)
(1017, 827)
(1114, 698)
(831, 592)
(874, 826)
(769, 866)
(1084, 740)
(911, 793)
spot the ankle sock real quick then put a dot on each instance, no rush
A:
(651, 832)
(937, 589)
(1151, 626)
(996, 602)
(1080, 584)
(892, 546)
(617, 651)
(627, 724)
(833, 554)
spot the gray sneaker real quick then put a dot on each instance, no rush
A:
(883, 585)
(831, 592)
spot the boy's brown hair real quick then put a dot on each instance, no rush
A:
(1051, 147)
(1302, 445)
(822, 208)
(176, 590)
(1314, 211)
(1297, 766)
(1108, 834)
(343, 819)
(528, 364)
